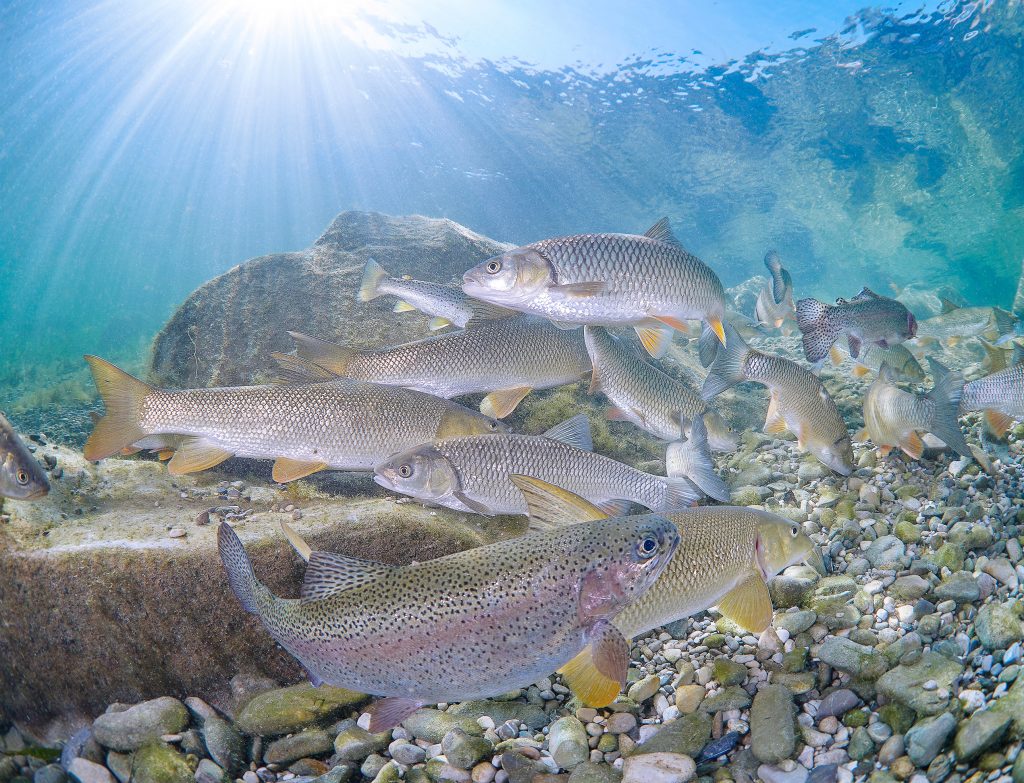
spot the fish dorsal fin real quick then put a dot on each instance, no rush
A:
(302, 549)
(662, 232)
(329, 574)
(485, 311)
(195, 454)
(748, 604)
(865, 294)
(1018, 354)
(947, 305)
(552, 507)
(573, 432)
(330, 356)
(295, 369)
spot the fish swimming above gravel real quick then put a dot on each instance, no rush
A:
(691, 459)
(306, 427)
(646, 281)
(474, 473)
(470, 625)
(775, 301)
(506, 358)
(448, 304)
(646, 395)
(894, 417)
(999, 395)
(957, 323)
(867, 318)
(903, 365)
(799, 401)
(725, 558)
(999, 357)
(21, 476)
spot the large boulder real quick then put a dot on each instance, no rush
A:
(225, 331)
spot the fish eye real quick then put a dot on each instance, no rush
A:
(405, 471)
(647, 546)
(493, 267)
(794, 531)
(22, 476)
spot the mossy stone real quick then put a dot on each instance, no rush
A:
(158, 762)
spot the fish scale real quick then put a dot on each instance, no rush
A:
(1001, 391)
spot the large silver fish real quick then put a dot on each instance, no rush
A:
(867, 318)
(775, 301)
(1001, 397)
(306, 427)
(507, 358)
(894, 417)
(648, 397)
(474, 473)
(649, 282)
(448, 304)
(799, 401)
(901, 362)
(956, 323)
(470, 625)
(21, 477)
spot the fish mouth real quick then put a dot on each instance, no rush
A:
(384, 481)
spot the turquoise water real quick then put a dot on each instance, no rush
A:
(147, 147)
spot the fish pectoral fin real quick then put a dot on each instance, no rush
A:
(499, 404)
(855, 345)
(287, 469)
(165, 455)
(329, 574)
(774, 423)
(718, 329)
(859, 371)
(748, 604)
(387, 713)
(553, 507)
(437, 323)
(614, 508)
(573, 432)
(912, 445)
(579, 290)
(884, 450)
(402, 306)
(598, 673)
(295, 369)
(475, 506)
(655, 339)
(997, 423)
(302, 549)
(195, 454)
(835, 356)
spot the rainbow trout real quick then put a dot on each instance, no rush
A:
(649, 282)
(474, 473)
(507, 358)
(799, 401)
(470, 625)
(893, 417)
(21, 477)
(448, 304)
(647, 396)
(341, 424)
(867, 318)
(775, 302)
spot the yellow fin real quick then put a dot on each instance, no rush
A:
(165, 455)
(302, 549)
(499, 404)
(952, 342)
(748, 604)
(550, 506)
(655, 339)
(997, 422)
(195, 454)
(401, 306)
(122, 401)
(598, 673)
(718, 329)
(774, 424)
(859, 371)
(861, 436)
(834, 356)
(437, 323)
(884, 450)
(286, 469)
(912, 446)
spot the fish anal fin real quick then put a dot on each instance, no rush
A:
(912, 445)
(617, 414)
(287, 469)
(997, 423)
(598, 673)
(748, 603)
(670, 320)
(437, 323)
(402, 306)
(595, 381)
(499, 404)
(551, 506)
(387, 713)
(774, 423)
(195, 454)
(717, 328)
(329, 574)
(655, 339)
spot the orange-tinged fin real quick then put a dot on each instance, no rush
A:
(330, 356)
(437, 323)
(997, 423)
(718, 329)
(552, 507)
(302, 549)
(499, 404)
(859, 370)
(655, 339)
(165, 455)
(884, 450)
(286, 469)
(580, 290)
(748, 604)
(373, 275)
(675, 323)
(912, 445)
(774, 424)
(598, 673)
(861, 436)
(127, 451)
(388, 713)
(123, 396)
(402, 306)
(835, 357)
(195, 454)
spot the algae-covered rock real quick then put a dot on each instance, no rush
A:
(905, 683)
(432, 725)
(285, 710)
(687, 735)
(160, 763)
(140, 724)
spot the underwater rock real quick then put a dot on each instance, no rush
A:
(224, 333)
(89, 573)
(285, 710)
(133, 728)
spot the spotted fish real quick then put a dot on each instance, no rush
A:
(867, 318)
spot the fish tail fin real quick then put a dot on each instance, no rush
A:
(727, 368)
(679, 493)
(254, 596)
(373, 275)
(123, 396)
(945, 424)
(1003, 321)
(331, 356)
(692, 460)
(707, 345)
(818, 330)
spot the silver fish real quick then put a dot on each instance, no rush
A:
(21, 477)
(775, 301)
(470, 625)
(474, 473)
(341, 424)
(955, 323)
(1001, 397)
(867, 318)
(649, 282)
(901, 362)
(507, 358)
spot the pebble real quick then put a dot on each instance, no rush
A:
(927, 737)
(85, 771)
(658, 768)
(145, 722)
